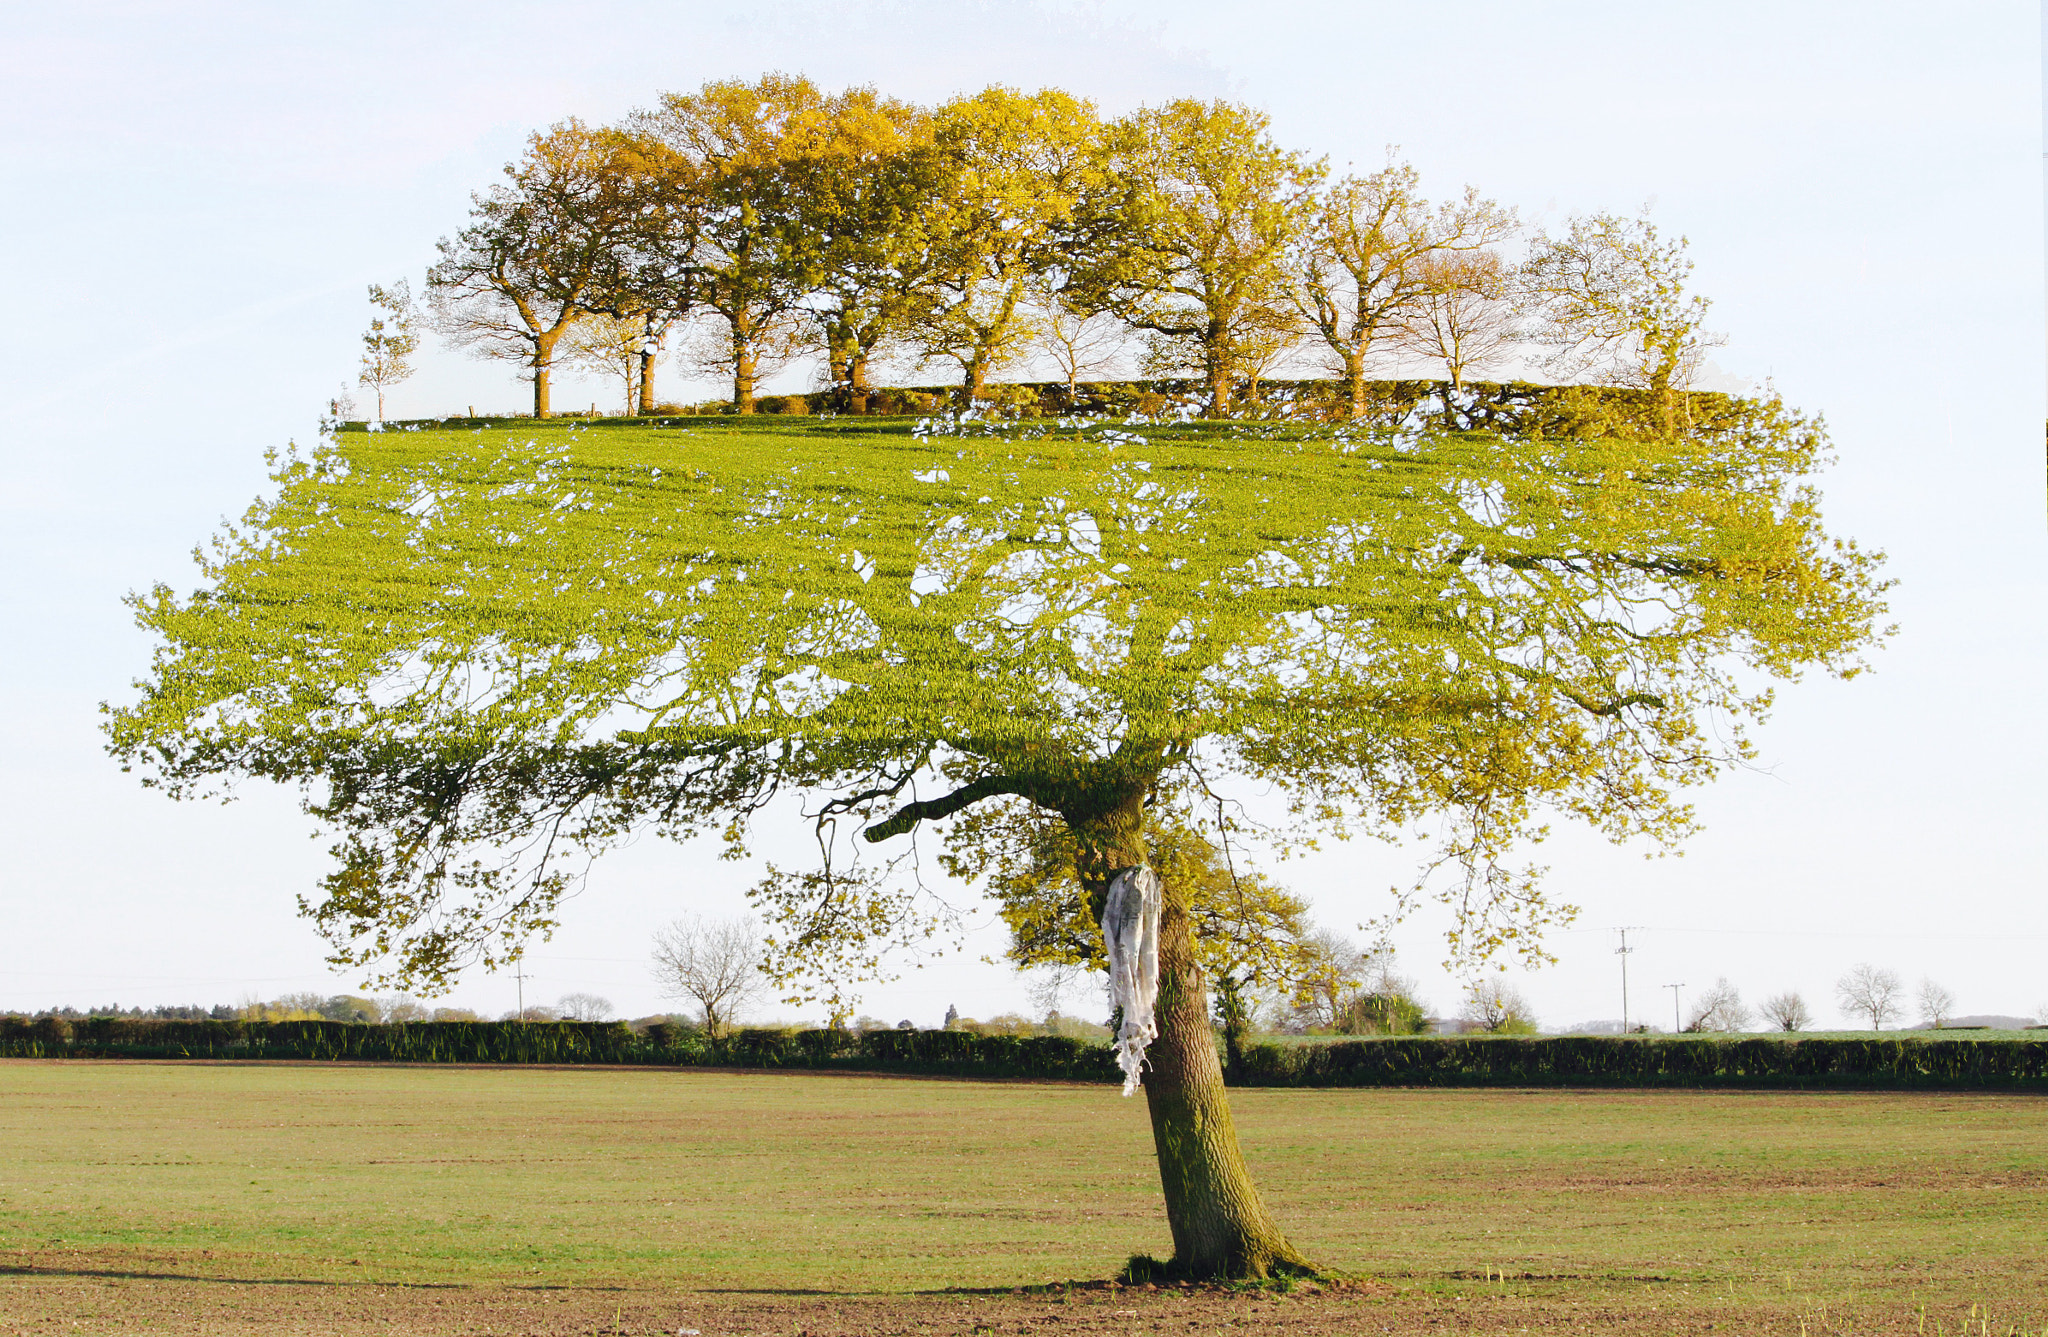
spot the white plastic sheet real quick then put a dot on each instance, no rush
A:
(1130, 934)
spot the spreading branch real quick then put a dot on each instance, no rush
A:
(932, 810)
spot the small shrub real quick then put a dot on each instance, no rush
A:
(1382, 1014)
(1009, 401)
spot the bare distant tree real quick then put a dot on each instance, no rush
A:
(402, 1007)
(455, 1014)
(608, 346)
(1079, 344)
(716, 965)
(1718, 1009)
(584, 1007)
(535, 1013)
(1614, 303)
(1868, 991)
(1049, 986)
(1787, 1011)
(1937, 1004)
(1463, 313)
(1495, 1005)
(1360, 271)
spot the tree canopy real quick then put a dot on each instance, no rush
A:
(493, 653)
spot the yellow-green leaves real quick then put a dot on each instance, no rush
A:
(485, 648)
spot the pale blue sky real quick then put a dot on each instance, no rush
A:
(197, 194)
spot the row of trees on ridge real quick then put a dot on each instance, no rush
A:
(771, 219)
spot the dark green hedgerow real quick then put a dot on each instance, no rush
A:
(935, 1052)
(1878, 1063)
(1679, 1061)
(413, 1042)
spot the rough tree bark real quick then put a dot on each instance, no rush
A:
(846, 364)
(1217, 367)
(543, 366)
(974, 379)
(743, 370)
(857, 384)
(1354, 384)
(1220, 1227)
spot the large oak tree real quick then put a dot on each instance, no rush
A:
(1018, 167)
(1363, 266)
(746, 258)
(543, 249)
(486, 656)
(865, 188)
(1188, 238)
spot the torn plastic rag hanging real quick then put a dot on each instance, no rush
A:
(1130, 934)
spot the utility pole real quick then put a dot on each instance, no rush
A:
(1676, 1026)
(519, 974)
(1622, 952)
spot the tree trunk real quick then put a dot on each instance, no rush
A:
(742, 376)
(646, 385)
(1661, 393)
(977, 373)
(540, 387)
(857, 382)
(1354, 385)
(839, 356)
(1219, 384)
(1231, 1010)
(1220, 1228)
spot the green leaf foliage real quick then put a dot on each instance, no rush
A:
(1246, 929)
(488, 654)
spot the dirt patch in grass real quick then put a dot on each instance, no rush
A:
(82, 1301)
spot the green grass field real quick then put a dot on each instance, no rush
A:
(592, 1196)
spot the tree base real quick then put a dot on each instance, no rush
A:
(1144, 1269)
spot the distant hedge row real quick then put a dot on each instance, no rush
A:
(1485, 405)
(1678, 1061)
(1873, 1064)
(956, 1052)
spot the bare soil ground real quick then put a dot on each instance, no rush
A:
(82, 1301)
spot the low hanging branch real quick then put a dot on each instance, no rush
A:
(932, 810)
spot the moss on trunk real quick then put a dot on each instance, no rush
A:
(1220, 1227)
